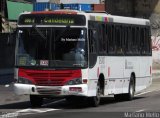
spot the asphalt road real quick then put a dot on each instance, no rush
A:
(145, 105)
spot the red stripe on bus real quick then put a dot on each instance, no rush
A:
(49, 77)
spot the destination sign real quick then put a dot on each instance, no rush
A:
(51, 19)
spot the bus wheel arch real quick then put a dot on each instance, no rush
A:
(95, 100)
(101, 81)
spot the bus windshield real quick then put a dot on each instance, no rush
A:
(52, 47)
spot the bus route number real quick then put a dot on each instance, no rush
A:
(101, 60)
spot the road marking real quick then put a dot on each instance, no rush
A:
(147, 92)
(34, 111)
(143, 93)
(140, 110)
(7, 85)
(9, 115)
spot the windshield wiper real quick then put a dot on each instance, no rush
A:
(40, 32)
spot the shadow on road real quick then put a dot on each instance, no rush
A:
(63, 104)
(84, 104)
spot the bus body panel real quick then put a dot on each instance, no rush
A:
(116, 75)
(145, 77)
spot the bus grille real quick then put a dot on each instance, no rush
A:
(49, 77)
(48, 91)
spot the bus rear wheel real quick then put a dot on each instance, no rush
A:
(36, 101)
(131, 91)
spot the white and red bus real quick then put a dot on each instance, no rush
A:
(73, 54)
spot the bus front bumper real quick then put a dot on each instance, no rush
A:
(25, 89)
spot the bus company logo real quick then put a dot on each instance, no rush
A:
(44, 62)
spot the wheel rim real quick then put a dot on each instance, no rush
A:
(132, 89)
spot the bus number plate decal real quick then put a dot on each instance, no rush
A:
(101, 60)
(44, 62)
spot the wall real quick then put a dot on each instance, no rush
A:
(119, 7)
(136, 8)
(7, 50)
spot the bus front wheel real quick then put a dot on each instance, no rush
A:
(95, 101)
(36, 101)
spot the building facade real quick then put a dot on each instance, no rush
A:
(135, 8)
(9, 15)
(149, 9)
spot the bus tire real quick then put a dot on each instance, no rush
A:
(36, 101)
(95, 101)
(128, 96)
(131, 90)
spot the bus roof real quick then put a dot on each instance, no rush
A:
(104, 17)
(95, 16)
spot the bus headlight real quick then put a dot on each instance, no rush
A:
(74, 81)
(24, 80)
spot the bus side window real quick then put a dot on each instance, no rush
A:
(123, 38)
(111, 39)
(92, 40)
(143, 50)
(101, 38)
(147, 41)
(137, 40)
(118, 39)
(128, 40)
